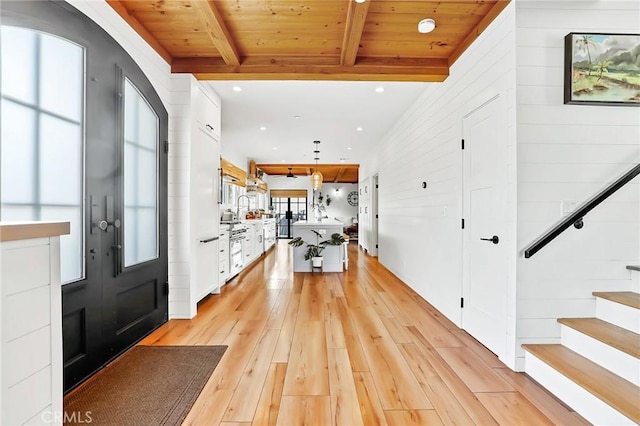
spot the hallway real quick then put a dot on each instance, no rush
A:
(349, 348)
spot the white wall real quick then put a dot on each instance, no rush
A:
(420, 236)
(339, 207)
(180, 300)
(570, 152)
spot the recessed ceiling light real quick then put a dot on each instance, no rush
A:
(283, 161)
(426, 25)
(275, 148)
(349, 148)
(359, 129)
(263, 128)
(342, 160)
(360, 1)
(379, 89)
(237, 89)
(297, 117)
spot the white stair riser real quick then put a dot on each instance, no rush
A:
(614, 360)
(621, 315)
(584, 403)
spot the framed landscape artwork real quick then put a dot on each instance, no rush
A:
(602, 69)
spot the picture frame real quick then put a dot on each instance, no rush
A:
(602, 69)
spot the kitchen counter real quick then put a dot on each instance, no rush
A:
(332, 255)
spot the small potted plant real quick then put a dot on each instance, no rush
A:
(314, 251)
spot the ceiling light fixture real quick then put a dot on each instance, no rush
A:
(379, 89)
(263, 128)
(359, 129)
(349, 148)
(426, 25)
(297, 117)
(316, 176)
(275, 148)
(360, 1)
(237, 89)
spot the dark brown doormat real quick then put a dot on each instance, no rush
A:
(148, 385)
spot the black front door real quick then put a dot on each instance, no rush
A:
(103, 139)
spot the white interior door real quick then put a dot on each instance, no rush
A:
(484, 314)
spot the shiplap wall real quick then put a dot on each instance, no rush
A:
(420, 236)
(570, 152)
(181, 303)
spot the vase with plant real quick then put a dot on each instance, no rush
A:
(314, 251)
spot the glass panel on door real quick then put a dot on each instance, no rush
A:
(140, 179)
(42, 147)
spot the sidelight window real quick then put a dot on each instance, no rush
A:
(42, 140)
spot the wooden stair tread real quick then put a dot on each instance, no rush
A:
(620, 338)
(610, 388)
(628, 298)
(633, 267)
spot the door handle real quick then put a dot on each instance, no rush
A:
(494, 239)
(105, 225)
(208, 240)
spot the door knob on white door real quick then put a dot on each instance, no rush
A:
(494, 239)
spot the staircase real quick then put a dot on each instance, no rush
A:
(596, 368)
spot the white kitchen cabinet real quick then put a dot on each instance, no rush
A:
(269, 232)
(207, 113)
(204, 194)
(223, 256)
(258, 229)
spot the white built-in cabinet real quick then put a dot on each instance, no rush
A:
(223, 256)
(31, 357)
(364, 207)
(253, 244)
(204, 162)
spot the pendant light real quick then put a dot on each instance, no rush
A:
(316, 176)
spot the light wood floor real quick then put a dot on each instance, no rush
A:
(349, 348)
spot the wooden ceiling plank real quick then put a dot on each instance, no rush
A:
(356, 18)
(217, 30)
(478, 29)
(316, 76)
(339, 174)
(140, 29)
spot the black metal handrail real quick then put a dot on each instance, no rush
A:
(575, 218)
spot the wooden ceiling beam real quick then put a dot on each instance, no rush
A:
(140, 29)
(339, 174)
(313, 68)
(356, 18)
(217, 31)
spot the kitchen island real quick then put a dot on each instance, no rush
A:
(332, 255)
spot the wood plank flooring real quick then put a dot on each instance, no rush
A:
(351, 348)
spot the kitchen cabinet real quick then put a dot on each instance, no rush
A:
(253, 245)
(223, 256)
(204, 193)
(269, 232)
(207, 113)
